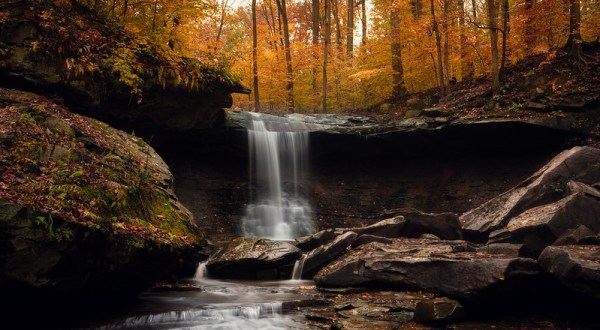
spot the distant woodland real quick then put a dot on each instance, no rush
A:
(334, 55)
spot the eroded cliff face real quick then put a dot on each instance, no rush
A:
(99, 70)
(356, 179)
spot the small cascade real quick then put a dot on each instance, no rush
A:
(278, 153)
(298, 266)
(201, 271)
(257, 316)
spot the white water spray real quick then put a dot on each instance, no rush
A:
(278, 152)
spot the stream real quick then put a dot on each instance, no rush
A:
(213, 304)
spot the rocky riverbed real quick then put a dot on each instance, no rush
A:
(535, 247)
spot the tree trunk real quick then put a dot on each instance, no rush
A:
(350, 29)
(222, 20)
(274, 29)
(438, 43)
(494, 44)
(154, 15)
(288, 56)
(125, 6)
(528, 38)
(398, 89)
(417, 8)
(326, 51)
(315, 40)
(474, 8)
(255, 59)
(575, 41)
(446, 53)
(466, 66)
(338, 32)
(505, 35)
(364, 22)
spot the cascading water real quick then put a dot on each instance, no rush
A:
(298, 267)
(201, 271)
(278, 152)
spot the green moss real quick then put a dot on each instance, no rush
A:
(103, 179)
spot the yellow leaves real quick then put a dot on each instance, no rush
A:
(369, 74)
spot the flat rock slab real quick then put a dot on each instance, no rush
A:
(450, 268)
(252, 258)
(576, 266)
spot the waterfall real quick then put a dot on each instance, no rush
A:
(201, 272)
(278, 152)
(298, 266)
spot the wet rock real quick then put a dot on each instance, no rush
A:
(442, 225)
(540, 226)
(365, 239)
(574, 236)
(439, 311)
(547, 185)
(390, 228)
(431, 266)
(505, 249)
(576, 266)
(253, 258)
(308, 243)
(323, 255)
(294, 305)
(429, 237)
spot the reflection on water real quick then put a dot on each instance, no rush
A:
(217, 305)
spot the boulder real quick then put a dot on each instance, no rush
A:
(390, 228)
(540, 226)
(365, 239)
(84, 207)
(576, 266)
(253, 258)
(323, 255)
(442, 225)
(433, 266)
(439, 311)
(575, 236)
(547, 185)
(313, 241)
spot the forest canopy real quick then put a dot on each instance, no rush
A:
(337, 55)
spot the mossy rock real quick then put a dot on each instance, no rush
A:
(85, 208)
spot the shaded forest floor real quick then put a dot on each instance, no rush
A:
(539, 86)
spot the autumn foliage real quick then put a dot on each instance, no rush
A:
(376, 51)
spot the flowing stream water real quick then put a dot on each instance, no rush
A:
(215, 305)
(278, 150)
